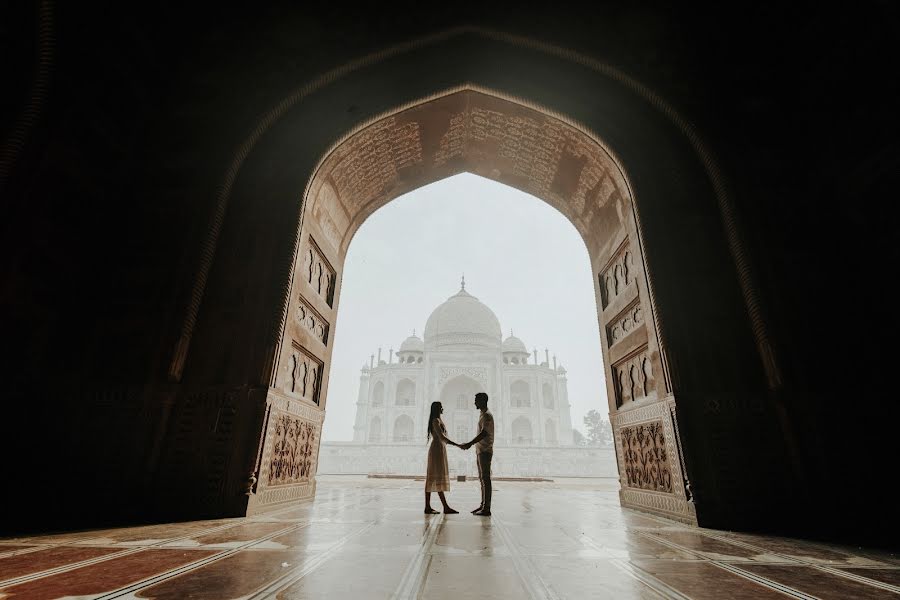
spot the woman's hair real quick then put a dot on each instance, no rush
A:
(435, 414)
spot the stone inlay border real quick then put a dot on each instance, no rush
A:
(534, 584)
(413, 579)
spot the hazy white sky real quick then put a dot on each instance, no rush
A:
(521, 257)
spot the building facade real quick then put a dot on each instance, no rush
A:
(463, 352)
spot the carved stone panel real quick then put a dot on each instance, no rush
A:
(617, 275)
(312, 320)
(633, 377)
(318, 272)
(641, 445)
(328, 212)
(629, 320)
(293, 447)
(646, 458)
(288, 460)
(304, 374)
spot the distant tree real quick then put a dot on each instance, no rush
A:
(599, 431)
(578, 438)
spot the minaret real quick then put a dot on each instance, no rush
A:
(391, 356)
(547, 356)
(565, 411)
(534, 350)
(362, 407)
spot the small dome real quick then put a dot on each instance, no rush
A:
(514, 344)
(463, 319)
(365, 368)
(561, 369)
(412, 344)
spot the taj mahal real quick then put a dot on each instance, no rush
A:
(463, 352)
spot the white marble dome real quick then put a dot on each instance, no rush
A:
(514, 344)
(463, 320)
(412, 344)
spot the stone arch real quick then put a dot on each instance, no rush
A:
(406, 393)
(521, 432)
(375, 430)
(459, 392)
(519, 394)
(403, 429)
(378, 394)
(607, 152)
(548, 396)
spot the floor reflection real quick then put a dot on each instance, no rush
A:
(367, 538)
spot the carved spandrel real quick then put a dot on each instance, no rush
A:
(304, 374)
(374, 159)
(628, 321)
(318, 272)
(536, 148)
(617, 275)
(309, 318)
(646, 458)
(633, 378)
(453, 142)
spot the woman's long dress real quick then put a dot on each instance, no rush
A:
(437, 474)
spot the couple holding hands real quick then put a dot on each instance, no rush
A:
(437, 477)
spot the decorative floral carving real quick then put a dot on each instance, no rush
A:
(616, 277)
(293, 446)
(633, 378)
(312, 320)
(625, 323)
(318, 272)
(304, 374)
(645, 457)
(476, 373)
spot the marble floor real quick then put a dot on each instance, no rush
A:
(367, 538)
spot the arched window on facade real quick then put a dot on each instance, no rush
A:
(403, 429)
(378, 394)
(550, 432)
(406, 393)
(519, 394)
(548, 397)
(521, 431)
(375, 430)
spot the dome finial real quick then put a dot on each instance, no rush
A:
(463, 283)
(414, 332)
(510, 332)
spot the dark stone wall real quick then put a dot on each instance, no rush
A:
(113, 184)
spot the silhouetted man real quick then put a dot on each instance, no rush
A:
(484, 452)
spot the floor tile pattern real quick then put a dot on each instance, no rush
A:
(367, 538)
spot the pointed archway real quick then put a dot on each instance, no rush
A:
(632, 178)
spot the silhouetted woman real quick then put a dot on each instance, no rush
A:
(437, 475)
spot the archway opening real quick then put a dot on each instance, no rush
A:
(504, 140)
(436, 232)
